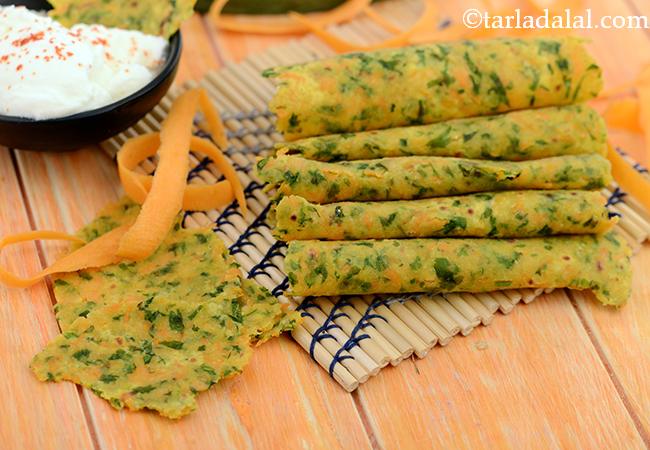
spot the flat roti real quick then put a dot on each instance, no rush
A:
(156, 354)
(152, 334)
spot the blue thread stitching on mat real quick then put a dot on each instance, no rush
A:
(229, 211)
(616, 197)
(364, 322)
(241, 133)
(321, 332)
(252, 230)
(252, 186)
(202, 165)
(637, 166)
(266, 262)
(280, 288)
(355, 338)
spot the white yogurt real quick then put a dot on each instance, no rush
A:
(49, 71)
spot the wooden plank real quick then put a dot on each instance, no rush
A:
(530, 380)
(34, 414)
(623, 337)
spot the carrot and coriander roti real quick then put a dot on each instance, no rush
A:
(153, 334)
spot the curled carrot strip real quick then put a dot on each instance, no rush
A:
(284, 24)
(215, 124)
(196, 197)
(165, 198)
(100, 252)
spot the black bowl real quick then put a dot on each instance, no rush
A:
(89, 127)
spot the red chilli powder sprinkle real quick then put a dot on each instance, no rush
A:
(99, 41)
(26, 40)
(19, 67)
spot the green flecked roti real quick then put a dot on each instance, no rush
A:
(509, 214)
(430, 83)
(154, 354)
(154, 333)
(514, 136)
(415, 177)
(391, 266)
(162, 18)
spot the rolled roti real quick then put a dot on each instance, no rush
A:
(414, 177)
(600, 263)
(515, 136)
(431, 83)
(498, 215)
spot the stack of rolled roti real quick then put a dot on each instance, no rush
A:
(466, 166)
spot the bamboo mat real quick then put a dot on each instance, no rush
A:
(352, 338)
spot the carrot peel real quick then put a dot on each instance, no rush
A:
(196, 197)
(97, 253)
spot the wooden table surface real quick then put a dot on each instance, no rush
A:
(559, 373)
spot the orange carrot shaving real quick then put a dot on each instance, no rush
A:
(624, 114)
(100, 252)
(196, 197)
(283, 24)
(215, 124)
(428, 17)
(629, 179)
(165, 198)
